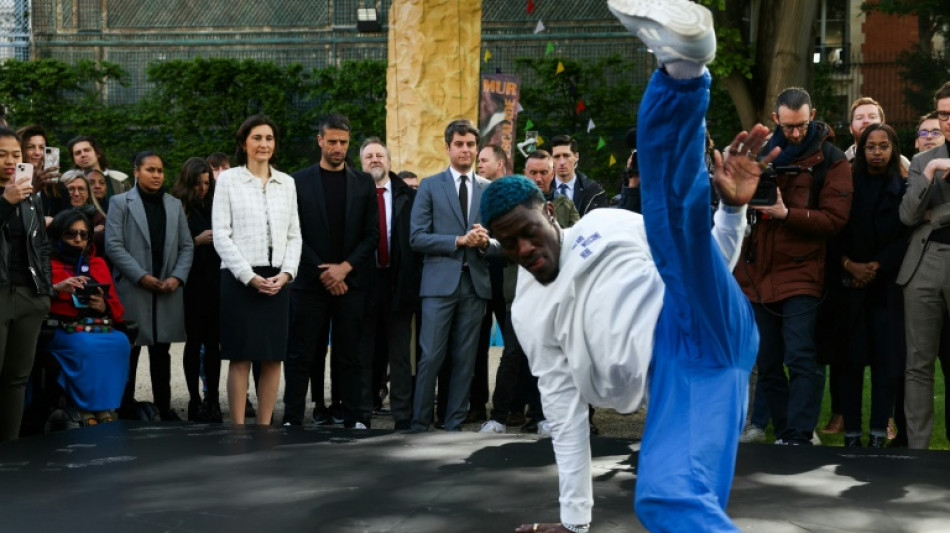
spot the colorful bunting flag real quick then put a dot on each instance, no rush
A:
(487, 55)
(540, 140)
(613, 161)
(590, 125)
(549, 49)
(560, 68)
(601, 143)
(539, 28)
(580, 106)
(530, 6)
(520, 109)
(528, 125)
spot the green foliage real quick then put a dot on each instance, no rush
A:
(355, 88)
(197, 105)
(610, 91)
(50, 92)
(923, 73)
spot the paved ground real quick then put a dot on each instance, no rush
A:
(609, 422)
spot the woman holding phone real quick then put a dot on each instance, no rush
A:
(45, 176)
(256, 232)
(25, 281)
(93, 355)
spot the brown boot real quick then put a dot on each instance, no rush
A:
(835, 425)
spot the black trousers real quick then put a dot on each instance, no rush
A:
(311, 312)
(160, 367)
(386, 341)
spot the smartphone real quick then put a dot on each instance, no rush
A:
(92, 288)
(51, 156)
(23, 171)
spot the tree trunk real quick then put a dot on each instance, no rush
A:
(783, 51)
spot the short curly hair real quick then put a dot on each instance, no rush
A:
(507, 193)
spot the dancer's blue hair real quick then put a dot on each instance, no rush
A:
(507, 193)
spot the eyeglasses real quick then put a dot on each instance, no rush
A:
(878, 148)
(929, 133)
(943, 115)
(788, 128)
(75, 190)
(73, 233)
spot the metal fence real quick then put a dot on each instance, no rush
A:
(14, 29)
(134, 33)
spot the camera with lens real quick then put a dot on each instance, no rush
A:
(766, 193)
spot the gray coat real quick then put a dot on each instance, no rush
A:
(923, 197)
(128, 247)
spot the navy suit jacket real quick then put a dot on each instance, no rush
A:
(361, 228)
(436, 222)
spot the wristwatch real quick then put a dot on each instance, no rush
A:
(577, 528)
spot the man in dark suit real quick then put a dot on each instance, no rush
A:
(394, 296)
(586, 193)
(455, 280)
(338, 220)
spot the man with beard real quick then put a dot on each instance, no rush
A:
(340, 228)
(393, 297)
(783, 263)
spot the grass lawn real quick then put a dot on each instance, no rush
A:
(938, 440)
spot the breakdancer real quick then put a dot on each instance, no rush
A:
(620, 302)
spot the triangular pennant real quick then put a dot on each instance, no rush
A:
(530, 6)
(520, 109)
(613, 161)
(560, 68)
(549, 49)
(540, 140)
(590, 125)
(601, 143)
(539, 28)
(528, 125)
(580, 106)
(487, 55)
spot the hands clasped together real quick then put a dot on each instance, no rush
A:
(477, 237)
(154, 284)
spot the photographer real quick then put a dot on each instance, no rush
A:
(782, 266)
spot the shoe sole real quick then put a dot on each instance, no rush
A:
(688, 20)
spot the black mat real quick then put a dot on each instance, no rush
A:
(150, 478)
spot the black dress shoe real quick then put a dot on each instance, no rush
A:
(194, 411)
(476, 415)
(877, 442)
(516, 419)
(852, 442)
(899, 442)
(211, 410)
(169, 416)
(531, 426)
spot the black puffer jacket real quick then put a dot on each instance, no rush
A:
(31, 213)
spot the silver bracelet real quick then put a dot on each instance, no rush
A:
(577, 528)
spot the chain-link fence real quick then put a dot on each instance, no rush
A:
(134, 33)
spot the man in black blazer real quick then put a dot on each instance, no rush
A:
(394, 296)
(340, 228)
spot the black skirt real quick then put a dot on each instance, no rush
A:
(254, 327)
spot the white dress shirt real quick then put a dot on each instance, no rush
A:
(457, 177)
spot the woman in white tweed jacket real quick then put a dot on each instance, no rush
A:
(256, 232)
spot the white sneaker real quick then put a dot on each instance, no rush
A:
(359, 425)
(544, 429)
(674, 30)
(752, 434)
(493, 426)
(815, 440)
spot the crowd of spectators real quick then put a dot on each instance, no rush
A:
(844, 266)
